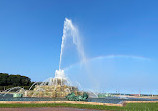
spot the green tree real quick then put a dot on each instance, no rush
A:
(14, 80)
(3, 79)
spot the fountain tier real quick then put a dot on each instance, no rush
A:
(59, 86)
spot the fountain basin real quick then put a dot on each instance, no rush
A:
(114, 100)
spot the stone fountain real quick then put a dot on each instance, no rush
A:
(57, 87)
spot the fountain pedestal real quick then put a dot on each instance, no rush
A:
(57, 88)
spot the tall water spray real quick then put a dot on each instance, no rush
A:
(70, 30)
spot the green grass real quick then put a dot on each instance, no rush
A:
(128, 107)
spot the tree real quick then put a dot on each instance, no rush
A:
(14, 80)
(3, 79)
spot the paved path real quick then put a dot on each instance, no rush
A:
(46, 109)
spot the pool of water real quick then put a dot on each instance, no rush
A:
(115, 100)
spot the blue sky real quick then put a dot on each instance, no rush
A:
(123, 33)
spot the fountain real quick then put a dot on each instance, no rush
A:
(60, 85)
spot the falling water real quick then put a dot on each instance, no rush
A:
(70, 30)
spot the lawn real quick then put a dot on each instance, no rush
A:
(128, 107)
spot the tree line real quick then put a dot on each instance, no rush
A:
(11, 80)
